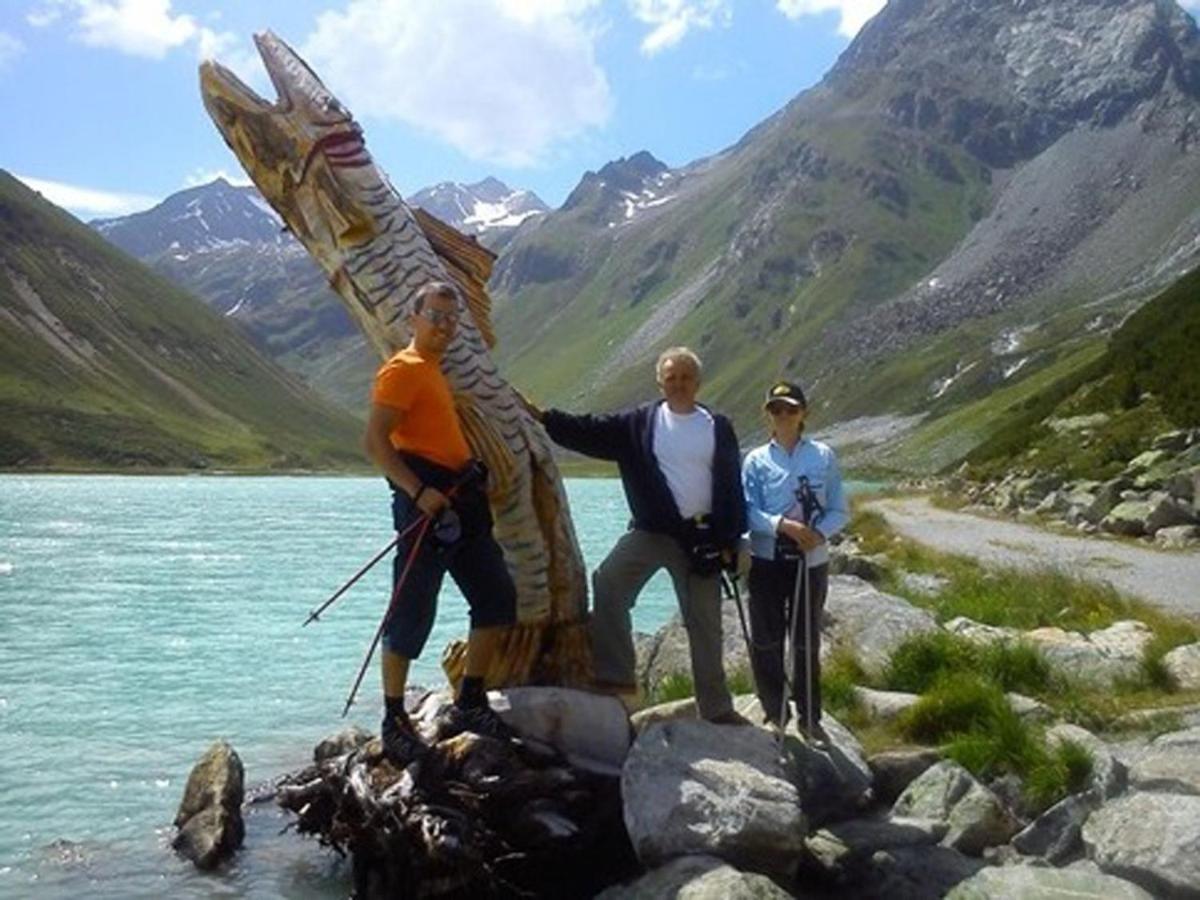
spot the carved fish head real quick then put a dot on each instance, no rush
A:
(304, 152)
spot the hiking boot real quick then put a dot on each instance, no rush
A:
(401, 743)
(481, 720)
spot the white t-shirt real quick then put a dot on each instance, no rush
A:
(684, 446)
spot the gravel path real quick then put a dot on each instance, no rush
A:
(1168, 580)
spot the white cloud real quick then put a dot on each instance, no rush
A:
(673, 19)
(500, 80)
(853, 14)
(10, 49)
(146, 28)
(89, 200)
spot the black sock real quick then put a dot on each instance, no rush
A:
(394, 708)
(471, 693)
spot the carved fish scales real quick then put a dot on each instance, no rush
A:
(307, 156)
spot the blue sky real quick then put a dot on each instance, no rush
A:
(103, 113)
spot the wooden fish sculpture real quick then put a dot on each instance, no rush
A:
(307, 156)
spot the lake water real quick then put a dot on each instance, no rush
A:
(143, 617)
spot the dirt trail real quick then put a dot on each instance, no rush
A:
(1168, 580)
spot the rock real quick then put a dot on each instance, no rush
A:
(884, 705)
(894, 770)
(1147, 460)
(671, 711)
(698, 788)
(1128, 518)
(868, 568)
(1109, 775)
(697, 878)
(1172, 441)
(924, 583)
(1055, 834)
(1100, 658)
(210, 816)
(1178, 537)
(1054, 503)
(672, 656)
(870, 623)
(1185, 486)
(1039, 883)
(980, 633)
(1106, 497)
(591, 730)
(343, 742)
(1029, 708)
(1171, 763)
(948, 792)
(1168, 513)
(1152, 839)
(834, 782)
(1183, 664)
(913, 873)
(839, 849)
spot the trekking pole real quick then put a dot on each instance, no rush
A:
(733, 591)
(809, 687)
(412, 555)
(315, 615)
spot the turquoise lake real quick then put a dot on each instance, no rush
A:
(143, 617)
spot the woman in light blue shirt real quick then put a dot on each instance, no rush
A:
(795, 503)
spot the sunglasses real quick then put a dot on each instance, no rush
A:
(783, 409)
(438, 316)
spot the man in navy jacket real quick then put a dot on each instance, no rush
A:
(681, 471)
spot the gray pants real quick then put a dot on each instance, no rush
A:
(616, 585)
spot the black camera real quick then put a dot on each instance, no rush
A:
(701, 546)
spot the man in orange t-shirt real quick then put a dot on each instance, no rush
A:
(414, 437)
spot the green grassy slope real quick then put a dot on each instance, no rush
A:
(105, 364)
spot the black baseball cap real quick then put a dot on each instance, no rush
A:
(785, 392)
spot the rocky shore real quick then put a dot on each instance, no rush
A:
(1155, 498)
(589, 802)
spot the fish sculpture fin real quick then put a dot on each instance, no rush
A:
(469, 264)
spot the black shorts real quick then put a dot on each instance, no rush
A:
(474, 560)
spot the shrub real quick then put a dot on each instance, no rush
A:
(839, 676)
(957, 705)
(923, 659)
(1056, 773)
(674, 687)
(1016, 667)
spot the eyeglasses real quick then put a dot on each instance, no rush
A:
(438, 316)
(783, 409)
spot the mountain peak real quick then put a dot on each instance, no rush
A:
(1006, 78)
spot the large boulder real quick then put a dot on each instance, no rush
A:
(976, 817)
(834, 779)
(1040, 883)
(341, 743)
(1055, 834)
(697, 878)
(591, 730)
(884, 706)
(1099, 658)
(1170, 763)
(894, 770)
(1178, 537)
(870, 623)
(210, 816)
(1183, 665)
(1138, 517)
(912, 873)
(839, 850)
(693, 788)
(1152, 839)
(670, 653)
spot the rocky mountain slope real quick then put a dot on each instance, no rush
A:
(226, 245)
(105, 364)
(975, 194)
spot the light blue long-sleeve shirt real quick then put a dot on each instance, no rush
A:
(770, 476)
